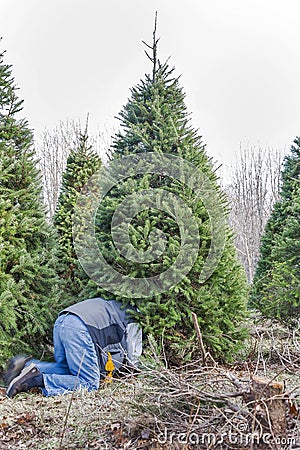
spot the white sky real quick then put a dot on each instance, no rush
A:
(239, 60)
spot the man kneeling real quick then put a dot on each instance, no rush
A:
(83, 335)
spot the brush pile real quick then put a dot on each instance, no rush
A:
(251, 404)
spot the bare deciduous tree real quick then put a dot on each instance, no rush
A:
(252, 192)
(52, 149)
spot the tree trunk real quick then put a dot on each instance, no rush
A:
(268, 404)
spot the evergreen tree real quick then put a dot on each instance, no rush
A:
(28, 281)
(155, 120)
(82, 163)
(275, 290)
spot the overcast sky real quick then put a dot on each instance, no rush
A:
(239, 60)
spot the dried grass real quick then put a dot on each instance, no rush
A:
(192, 407)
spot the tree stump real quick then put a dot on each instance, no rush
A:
(268, 405)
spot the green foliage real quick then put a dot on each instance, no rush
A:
(28, 281)
(82, 163)
(156, 120)
(275, 289)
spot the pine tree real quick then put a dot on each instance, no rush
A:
(28, 281)
(275, 290)
(82, 163)
(155, 120)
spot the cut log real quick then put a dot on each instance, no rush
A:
(268, 405)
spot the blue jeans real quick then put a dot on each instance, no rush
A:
(76, 363)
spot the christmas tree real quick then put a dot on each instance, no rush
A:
(163, 243)
(28, 280)
(275, 290)
(82, 163)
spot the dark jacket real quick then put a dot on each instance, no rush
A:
(112, 329)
